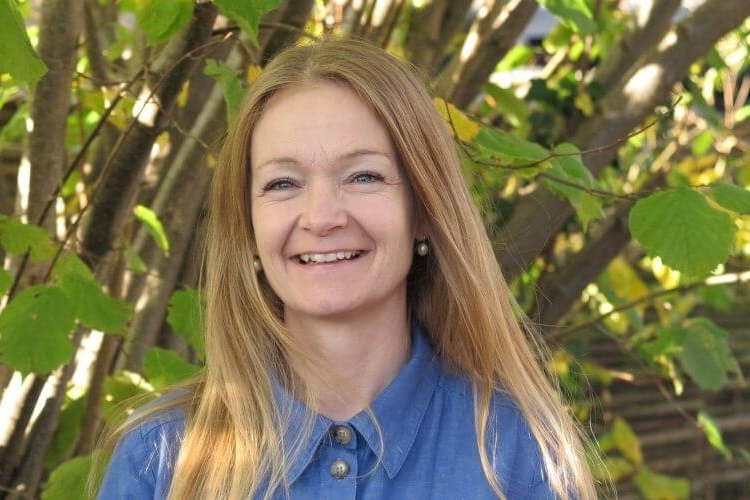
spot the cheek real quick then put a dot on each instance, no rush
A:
(270, 228)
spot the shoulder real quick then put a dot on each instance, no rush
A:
(509, 442)
(144, 458)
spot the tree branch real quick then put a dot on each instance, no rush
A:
(540, 215)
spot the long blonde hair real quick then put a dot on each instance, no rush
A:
(232, 446)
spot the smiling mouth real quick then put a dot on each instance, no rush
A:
(323, 258)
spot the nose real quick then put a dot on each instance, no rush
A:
(323, 210)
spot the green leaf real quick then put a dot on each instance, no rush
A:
(247, 13)
(18, 56)
(5, 281)
(569, 178)
(18, 238)
(713, 434)
(69, 480)
(719, 297)
(627, 442)
(572, 13)
(161, 19)
(123, 392)
(615, 468)
(524, 158)
(153, 226)
(135, 263)
(669, 342)
(682, 228)
(93, 307)
(706, 356)
(659, 487)
(745, 455)
(34, 329)
(731, 197)
(231, 85)
(184, 316)
(164, 368)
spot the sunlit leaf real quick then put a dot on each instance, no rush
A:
(247, 13)
(35, 328)
(505, 103)
(184, 316)
(153, 226)
(596, 372)
(627, 442)
(123, 392)
(69, 480)
(569, 178)
(93, 307)
(732, 197)
(660, 487)
(615, 469)
(18, 238)
(706, 356)
(681, 227)
(253, 72)
(573, 13)
(713, 434)
(161, 19)
(522, 157)
(18, 56)
(231, 85)
(464, 127)
(164, 368)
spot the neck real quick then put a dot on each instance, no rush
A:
(347, 364)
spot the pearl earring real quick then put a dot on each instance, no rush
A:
(422, 248)
(257, 265)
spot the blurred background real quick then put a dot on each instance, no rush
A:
(606, 142)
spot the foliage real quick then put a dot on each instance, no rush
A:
(679, 173)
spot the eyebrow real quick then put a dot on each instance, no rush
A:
(354, 154)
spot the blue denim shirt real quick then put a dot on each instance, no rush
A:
(426, 417)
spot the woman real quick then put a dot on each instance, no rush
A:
(361, 341)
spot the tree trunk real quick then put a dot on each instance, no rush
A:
(177, 204)
(113, 202)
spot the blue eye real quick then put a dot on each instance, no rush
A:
(279, 185)
(366, 177)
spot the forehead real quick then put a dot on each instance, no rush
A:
(318, 119)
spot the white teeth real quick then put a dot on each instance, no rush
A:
(306, 258)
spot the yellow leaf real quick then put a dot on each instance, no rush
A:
(464, 127)
(626, 283)
(585, 104)
(183, 96)
(627, 442)
(252, 73)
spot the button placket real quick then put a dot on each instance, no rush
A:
(339, 469)
(342, 434)
(339, 462)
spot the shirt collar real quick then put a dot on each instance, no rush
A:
(398, 412)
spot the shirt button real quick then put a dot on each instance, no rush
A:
(342, 434)
(339, 469)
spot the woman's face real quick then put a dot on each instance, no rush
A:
(332, 213)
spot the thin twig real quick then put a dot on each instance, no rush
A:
(728, 278)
